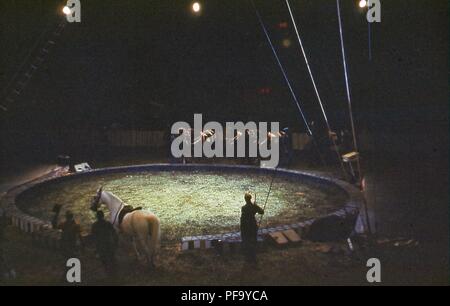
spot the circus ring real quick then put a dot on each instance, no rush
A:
(198, 205)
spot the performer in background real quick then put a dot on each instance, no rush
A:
(3, 224)
(286, 147)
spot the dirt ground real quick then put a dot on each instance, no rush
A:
(306, 264)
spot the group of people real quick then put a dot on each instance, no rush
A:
(103, 235)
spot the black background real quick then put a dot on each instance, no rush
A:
(151, 63)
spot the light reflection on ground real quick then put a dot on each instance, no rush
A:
(187, 203)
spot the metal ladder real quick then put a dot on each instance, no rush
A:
(28, 68)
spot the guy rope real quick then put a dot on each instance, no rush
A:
(347, 157)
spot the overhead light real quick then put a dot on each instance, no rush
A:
(196, 7)
(66, 10)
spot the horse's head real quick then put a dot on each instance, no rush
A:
(95, 203)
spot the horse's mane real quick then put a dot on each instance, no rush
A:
(113, 197)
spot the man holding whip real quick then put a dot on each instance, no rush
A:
(249, 227)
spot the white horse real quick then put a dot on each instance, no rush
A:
(139, 225)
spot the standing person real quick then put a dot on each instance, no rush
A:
(106, 241)
(286, 147)
(3, 224)
(3, 268)
(249, 228)
(71, 233)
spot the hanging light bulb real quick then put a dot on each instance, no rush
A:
(196, 7)
(66, 10)
(362, 3)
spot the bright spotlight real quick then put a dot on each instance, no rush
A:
(362, 3)
(196, 7)
(66, 10)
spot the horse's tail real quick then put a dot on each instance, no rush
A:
(155, 232)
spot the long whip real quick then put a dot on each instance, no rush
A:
(268, 193)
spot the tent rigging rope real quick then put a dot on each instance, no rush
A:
(316, 90)
(282, 69)
(307, 64)
(355, 144)
(347, 86)
(310, 133)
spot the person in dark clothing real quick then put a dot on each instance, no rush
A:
(249, 228)
(106, 241)
(71, 233)
(3, 224)
(2, 234)
(286, 147)
(7, 272)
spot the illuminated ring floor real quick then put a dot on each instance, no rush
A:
(28, 223)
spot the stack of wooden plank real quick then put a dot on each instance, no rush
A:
(283, 238)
